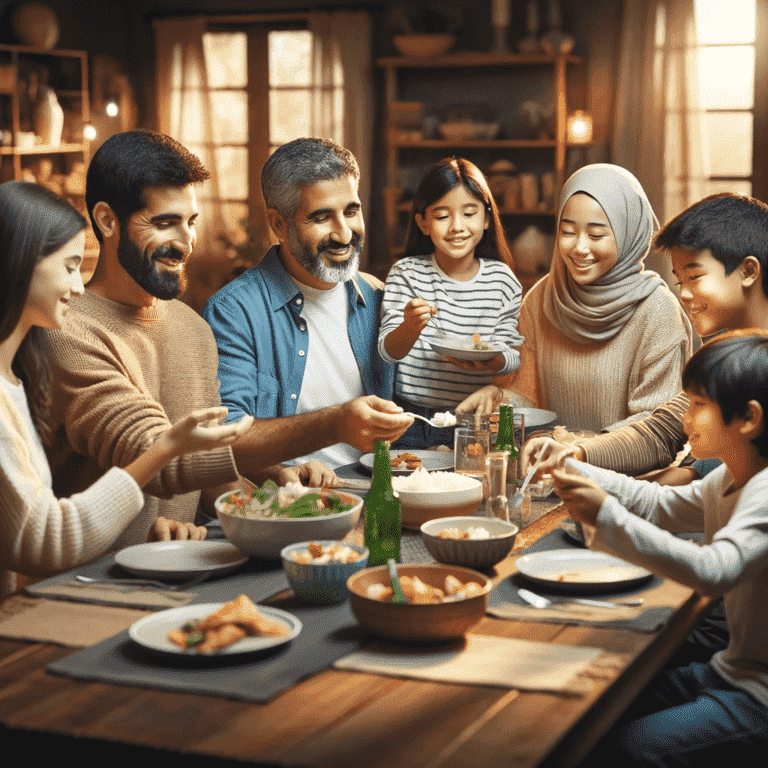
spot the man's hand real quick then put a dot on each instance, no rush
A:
(582, 497)
(485, 400)
(365, 420)
(313, 474)
(554, 455)
(170, 530)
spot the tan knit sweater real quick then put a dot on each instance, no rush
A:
(121, 376)
(39, 534)
(598, 385)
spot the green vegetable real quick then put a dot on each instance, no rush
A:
(195, 639)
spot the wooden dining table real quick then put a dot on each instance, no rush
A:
(344, 719)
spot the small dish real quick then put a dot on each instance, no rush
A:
(179, 559)
(432, 461)
(462, 349)
(321, 582)
(472, 553)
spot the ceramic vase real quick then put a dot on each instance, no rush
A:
(48, 118)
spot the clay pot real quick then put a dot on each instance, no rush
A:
(36, 24)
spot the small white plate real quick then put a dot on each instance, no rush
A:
(534, 417)
(432, 461)
(580, 569)
(462, 349)
(152, 631)
(179, 559)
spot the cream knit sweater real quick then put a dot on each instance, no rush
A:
(39, 534)
(122, 375)
(599, 385)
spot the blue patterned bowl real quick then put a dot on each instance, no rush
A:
(321, 583)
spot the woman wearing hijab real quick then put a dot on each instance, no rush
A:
(605, 339)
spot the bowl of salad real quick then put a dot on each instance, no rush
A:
(261, 521)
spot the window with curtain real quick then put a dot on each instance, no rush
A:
(720, 60)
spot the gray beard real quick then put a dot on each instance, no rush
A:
(313, 262)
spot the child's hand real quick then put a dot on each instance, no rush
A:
(416, 314)
(581, 496)
(191, 434)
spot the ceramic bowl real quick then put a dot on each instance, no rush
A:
(266, 536)
(418, 622)
(472, 553)
(422, 506)
(321, 582)
(423, 44)
(468, 131)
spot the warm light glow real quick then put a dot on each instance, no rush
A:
(111, 108)
(579, 127)
(721, 22)
(89, 132)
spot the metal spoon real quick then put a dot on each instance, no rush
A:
(431, 421)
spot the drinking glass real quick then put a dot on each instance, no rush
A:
(498, 504)
(471, 446)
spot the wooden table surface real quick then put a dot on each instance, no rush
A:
(339, 719)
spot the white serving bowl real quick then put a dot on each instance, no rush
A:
(266, 536)
(421, 506)
(471, 553)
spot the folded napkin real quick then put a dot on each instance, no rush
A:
(504, 603)
(65, 623)
(125, 595)
(481, 660)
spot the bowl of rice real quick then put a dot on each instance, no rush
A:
(474, 542)
(428, 495)
(262, 529)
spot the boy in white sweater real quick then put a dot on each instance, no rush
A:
(702, 712)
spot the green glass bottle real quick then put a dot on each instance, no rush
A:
(505, 441)
(382, 513)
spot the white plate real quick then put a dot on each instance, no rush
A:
(580, 569)
(432, 461)
(461, 349)
(152, 631)
(179, 559)
(534, 417)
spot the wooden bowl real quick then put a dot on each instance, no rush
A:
(426, 44)
(419, 622)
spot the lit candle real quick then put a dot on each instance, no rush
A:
(500, 13)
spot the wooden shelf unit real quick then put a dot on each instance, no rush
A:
(394, 207)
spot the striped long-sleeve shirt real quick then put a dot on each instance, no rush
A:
(488, 304)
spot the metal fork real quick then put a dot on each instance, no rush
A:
(147, 582)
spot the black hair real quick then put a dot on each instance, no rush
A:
(731, 370)
(127, 163)
(441, 178)
(34, 223)
(730, 226)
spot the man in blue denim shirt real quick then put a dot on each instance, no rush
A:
(297, 334)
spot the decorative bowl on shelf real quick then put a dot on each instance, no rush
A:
(416, 44)
(465, 131)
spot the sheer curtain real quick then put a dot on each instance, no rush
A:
(658, 131)
(343, 88)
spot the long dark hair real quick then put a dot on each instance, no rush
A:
(441, 178)
(34, 223)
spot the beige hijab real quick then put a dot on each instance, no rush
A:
(597, 312)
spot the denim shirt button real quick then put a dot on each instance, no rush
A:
(301, 353)
(298, 301)
(302, 328)
(293, 397)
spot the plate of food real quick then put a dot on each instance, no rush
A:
(574, 569)
(407, 460)
(467, 347)
(221, 629)
(534, 417)
(179, 559)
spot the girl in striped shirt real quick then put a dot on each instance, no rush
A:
(456, 279)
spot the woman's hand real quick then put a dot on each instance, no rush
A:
(483, 401)
(582, 497)
(313, 474)
(170, 530)
(192, 433)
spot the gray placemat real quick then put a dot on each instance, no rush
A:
(329, 632)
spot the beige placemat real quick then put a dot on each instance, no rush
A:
(65, 623)
(123, 595)
(481, 660)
